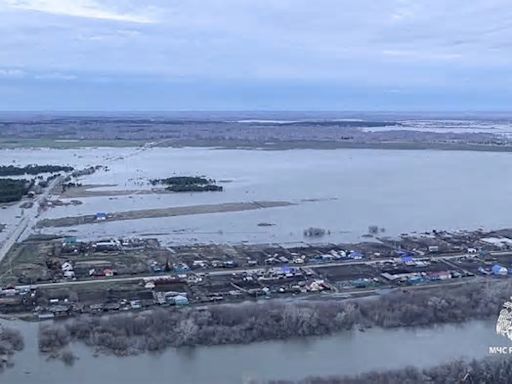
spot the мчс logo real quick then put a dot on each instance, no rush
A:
(504, 323)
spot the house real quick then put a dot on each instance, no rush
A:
(45, 316)
(107, 245)
(498, 270)
(60, 310)
(229, 264)
(317, 285)
(356, 255)
(108, 272)
(69, 274)
(8, 292)
(66, 266)
(199, 264)
(483, 271)
(181, 268)
(180, 300)
(408, 260)
(440, 275)
(69, 240)
(415, 279)
(194, 279)
(96, 307)
(390, 277)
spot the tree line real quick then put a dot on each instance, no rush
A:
(11, 341)
(13, 190)
(188, 184)
(155, 330)
(490, 370)
(32, 169)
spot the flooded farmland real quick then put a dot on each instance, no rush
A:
(343, 191)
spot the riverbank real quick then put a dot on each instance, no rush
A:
(157, 330)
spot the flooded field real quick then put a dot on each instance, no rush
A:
(343, 191)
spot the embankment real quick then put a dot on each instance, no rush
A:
(163, 212)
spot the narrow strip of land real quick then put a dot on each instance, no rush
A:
(162, 212)
(92, 190)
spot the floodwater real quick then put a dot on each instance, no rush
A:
(343, 191)
(347, 353)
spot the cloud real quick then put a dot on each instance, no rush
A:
(11, 73)
(16, 73)
(370, 44)
(89, 9)
(55, 76)
(422, 55)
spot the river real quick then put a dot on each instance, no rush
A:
(345, 353)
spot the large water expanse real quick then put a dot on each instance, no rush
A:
(346, 353)
(343, 190)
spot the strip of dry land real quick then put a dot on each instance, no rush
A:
(163, 212)
(92, 190)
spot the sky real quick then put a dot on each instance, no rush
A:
(409, 55)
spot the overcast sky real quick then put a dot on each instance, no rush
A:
(255, 55)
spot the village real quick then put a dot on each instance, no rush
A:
(46, 277)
